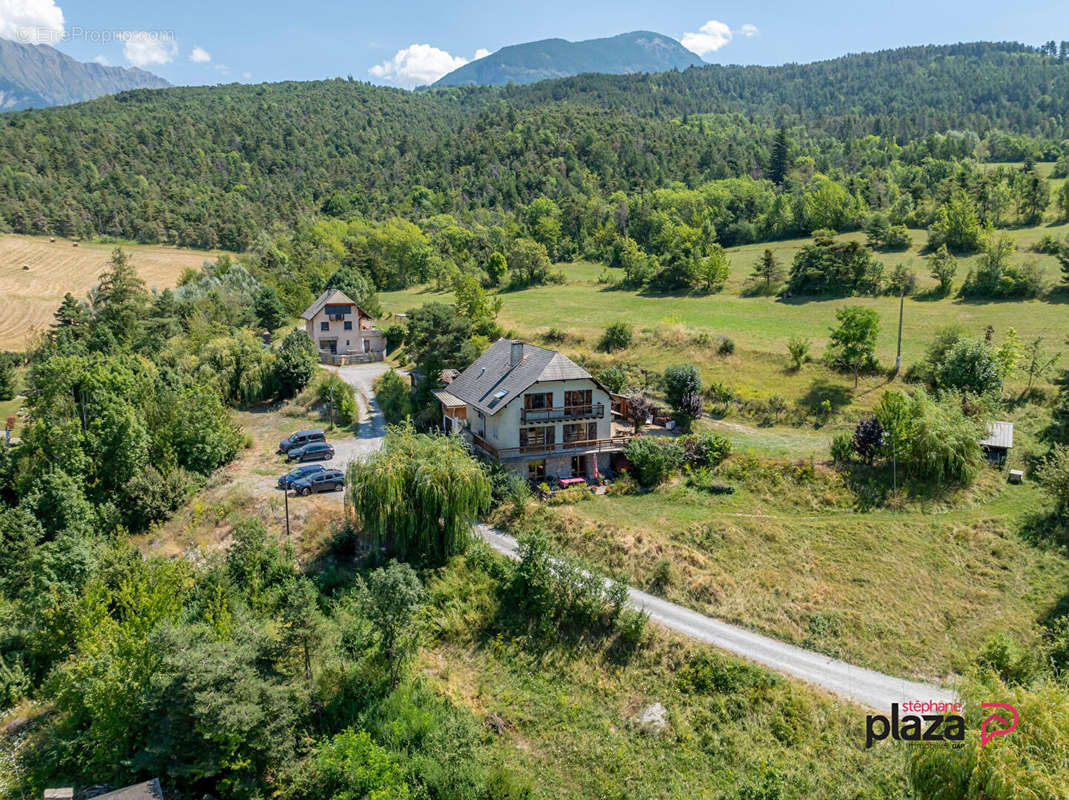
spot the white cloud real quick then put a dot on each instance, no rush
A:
(31, 21)
(482, 52)
(142, 48)
(102, 60)
(247, 76)
(200, 56)
(748, 30)
(710, 37)
(419, 64)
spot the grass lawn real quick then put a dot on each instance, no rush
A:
(912, 592)
(687, 327)
(563, 715)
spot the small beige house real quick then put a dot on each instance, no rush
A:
(535, 411)
(342, 331)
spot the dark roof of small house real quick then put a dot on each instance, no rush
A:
(999, 434)
(335, 296)
(491, 382)
(149, 790)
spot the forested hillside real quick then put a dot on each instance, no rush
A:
(212, 166)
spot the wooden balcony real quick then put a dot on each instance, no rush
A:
(579, 447)
(559, 413)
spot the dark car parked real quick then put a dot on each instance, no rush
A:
(300, 439)
(316, 451)
(295, 475)
(329, 480)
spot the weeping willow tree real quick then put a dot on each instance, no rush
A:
(945, 443)
(418, 495)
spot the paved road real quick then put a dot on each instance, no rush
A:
(864, 686)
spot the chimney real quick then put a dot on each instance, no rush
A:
(515, 354)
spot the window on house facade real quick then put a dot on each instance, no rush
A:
(579, 401)
(538, 400)
(324, 326)
(348, 324)
(581, 432)
(537, 437)
(536, 470)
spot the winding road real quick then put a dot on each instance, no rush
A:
(863, 686)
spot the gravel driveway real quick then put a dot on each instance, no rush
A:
(372, 424)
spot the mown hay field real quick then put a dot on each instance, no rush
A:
(31, 296)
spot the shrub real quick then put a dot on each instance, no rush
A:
(331, 388)
(704, 449)
(152, 496)
(395, 336)
(842, 448)
(679, 381)
(690, 408)
(614, 379)
(654, 458)
(868, 439)
(1054, 477)
(970, 366)
(394, 396)
(726, 347)
(1047, 245)
(798, 350)
(618, 336)
(943, 267)
(555, 336)
(556, 594)
(295, 364)
(706, 672)
(7, 377)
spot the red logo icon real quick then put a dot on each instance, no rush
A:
(985, 735)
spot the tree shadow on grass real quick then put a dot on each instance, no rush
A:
(1044, 529)
(821, 389)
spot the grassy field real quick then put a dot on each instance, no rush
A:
(55, 268)
(671, 328)
(565, 715)
(912, 592)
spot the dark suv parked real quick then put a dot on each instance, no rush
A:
(301, 438)
(329, 480)
(303, 471)
(316, 451)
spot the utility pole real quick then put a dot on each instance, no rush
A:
(332, 407)
(901, 309)
(286, 495)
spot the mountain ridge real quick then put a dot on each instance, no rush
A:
(38, 76)
(530, 62)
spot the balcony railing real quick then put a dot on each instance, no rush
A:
(612, 444)
(558, 413)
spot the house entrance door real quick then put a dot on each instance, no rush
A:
(578, 466)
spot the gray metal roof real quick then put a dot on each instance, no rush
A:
(447, 399)
(492, 381)
(149, 790)
(999, 434)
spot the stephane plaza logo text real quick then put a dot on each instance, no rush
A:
(936, 721)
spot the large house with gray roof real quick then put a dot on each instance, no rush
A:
(342, 331)
(535, 411)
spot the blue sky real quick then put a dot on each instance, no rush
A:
(405, 43)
